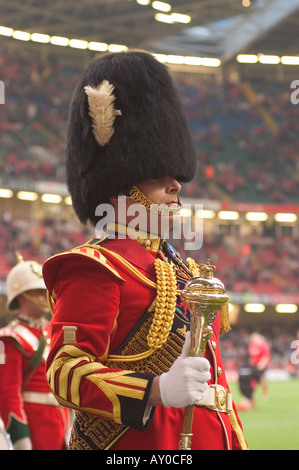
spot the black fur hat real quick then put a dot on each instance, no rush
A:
(148, 135)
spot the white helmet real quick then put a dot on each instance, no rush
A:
(26, 275)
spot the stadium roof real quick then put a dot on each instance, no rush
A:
(218, 28)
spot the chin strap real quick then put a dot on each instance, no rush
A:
(162, 209)
(35, 300)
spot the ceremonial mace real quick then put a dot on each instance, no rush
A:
(204, 295)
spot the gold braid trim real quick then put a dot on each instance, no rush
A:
(92, 432)
(50, 302)
(193, 267)
(128, 265)
(224, 313)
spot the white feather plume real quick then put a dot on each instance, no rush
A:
(101, 110)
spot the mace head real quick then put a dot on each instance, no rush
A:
(205, 289)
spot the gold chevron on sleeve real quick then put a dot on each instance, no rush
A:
(118, 384)
(121, 383)
(66, 358)
(77, 369)
(71, 365)
(63, 381)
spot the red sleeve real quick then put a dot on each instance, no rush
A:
(88, 299)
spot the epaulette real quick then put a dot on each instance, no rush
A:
(22, 335)
(89, 250)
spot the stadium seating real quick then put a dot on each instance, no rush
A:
(246, 136)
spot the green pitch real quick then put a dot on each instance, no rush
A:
(274, 425)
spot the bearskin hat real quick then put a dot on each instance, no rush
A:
(126, 125)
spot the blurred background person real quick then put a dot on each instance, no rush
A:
(32, 417)
(252, 373)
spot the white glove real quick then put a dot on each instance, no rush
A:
(186, 381)
(23, 444)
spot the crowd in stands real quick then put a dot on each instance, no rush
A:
(33, 118)
(246, 151)
(252, 264)
(37, 240)
(240, 155)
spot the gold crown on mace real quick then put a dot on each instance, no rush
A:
(207, 270)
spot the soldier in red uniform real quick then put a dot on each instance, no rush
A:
(120, 344)
(33, 418)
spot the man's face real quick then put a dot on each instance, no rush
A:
(161, 191)
(33, 303)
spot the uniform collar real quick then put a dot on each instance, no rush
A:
(149, 241)
(38, 323)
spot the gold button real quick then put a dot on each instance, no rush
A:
(214, 345)
(219, 371)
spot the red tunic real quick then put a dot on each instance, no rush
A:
(258, 352)
(21, 387)
(103, 300)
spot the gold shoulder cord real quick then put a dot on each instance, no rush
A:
(165, 305)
